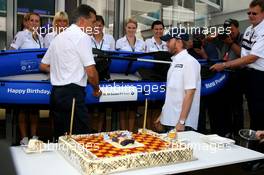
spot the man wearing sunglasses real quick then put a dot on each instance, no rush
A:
(252, 58)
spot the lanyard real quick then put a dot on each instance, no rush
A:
(101, 45)
(157, 46)
(37, 40)
(132, 47)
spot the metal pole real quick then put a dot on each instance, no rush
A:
(10, 21)
(116, 19)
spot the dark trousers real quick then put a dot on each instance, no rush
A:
(61, 105)
(219, 112)
(236, 90)
(225, 107)
(255, 97)
(202, 116)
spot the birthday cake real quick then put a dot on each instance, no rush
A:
(105, 153)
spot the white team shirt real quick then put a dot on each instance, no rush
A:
(25, 40)
(153, 46)
(49, 38)
(183, 74)
(253, 44)
(107, 43)
(68, 55)
(122, 44)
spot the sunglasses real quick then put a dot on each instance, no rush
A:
(252, 13)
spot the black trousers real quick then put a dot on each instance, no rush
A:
(219, 111)
(61, 106)
(236, 90)
(255, 97)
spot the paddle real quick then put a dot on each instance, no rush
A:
(158, 57)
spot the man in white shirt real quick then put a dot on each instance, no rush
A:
(69, 60)
(181, 107)
(252, 57)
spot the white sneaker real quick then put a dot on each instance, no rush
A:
(24, 141)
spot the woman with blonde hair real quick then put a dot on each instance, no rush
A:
(59, 24)
(129, 43)
(29, 38)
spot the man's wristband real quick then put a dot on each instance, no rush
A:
(224, 65)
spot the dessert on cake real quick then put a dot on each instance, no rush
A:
(123, 139)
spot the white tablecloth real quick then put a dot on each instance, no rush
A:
(52, 163)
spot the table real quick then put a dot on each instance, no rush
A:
(52, 163)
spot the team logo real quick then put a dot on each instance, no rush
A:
(178, 66)
(23, 68)
(247, 33)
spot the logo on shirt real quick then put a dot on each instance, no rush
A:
(247, 34)
(178, 66)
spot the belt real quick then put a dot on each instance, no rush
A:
(72, 85)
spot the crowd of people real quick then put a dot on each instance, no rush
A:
(70, 62)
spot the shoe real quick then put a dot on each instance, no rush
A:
(24, 141)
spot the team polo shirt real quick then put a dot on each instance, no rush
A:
(25, 40)
(183, 74)
(68, 55)
(153, 46)
(107, 43)
(253, 44)
(122, 44)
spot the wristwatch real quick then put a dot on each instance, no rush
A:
(182, 122)
(224, 65)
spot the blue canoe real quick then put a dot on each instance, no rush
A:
(21, 62)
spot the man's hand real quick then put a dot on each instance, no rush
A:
(157, 120)
(157, 125)
(97, 93)
(180, 127)
(260, 135)
(228, 40)
(201, 52)
(93, 79)
(44, 67)
(218, 67)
